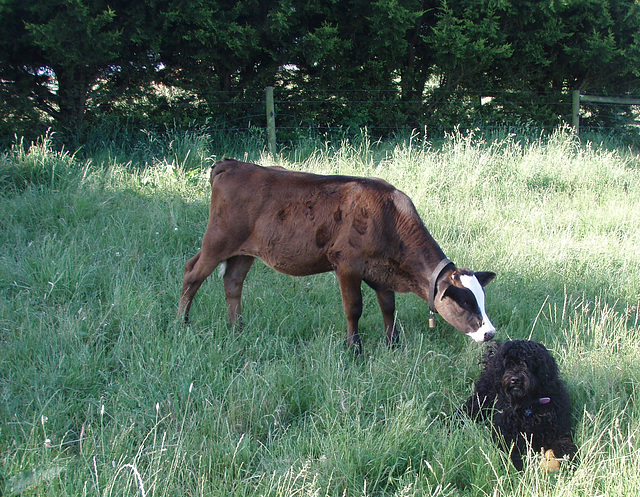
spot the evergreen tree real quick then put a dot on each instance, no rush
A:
(218, 50)
(61, 54)
(376, 63)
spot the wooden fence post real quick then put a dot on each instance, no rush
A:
(577, 98)
(271, 120)
(575, 121)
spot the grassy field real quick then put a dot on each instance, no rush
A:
(102, 392)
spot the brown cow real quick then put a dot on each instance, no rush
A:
(364, 229)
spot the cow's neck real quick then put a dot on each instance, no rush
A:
(425, 275)
(421, 265)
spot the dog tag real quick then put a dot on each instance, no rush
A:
(432, 322)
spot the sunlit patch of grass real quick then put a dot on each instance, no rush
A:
(103, 391)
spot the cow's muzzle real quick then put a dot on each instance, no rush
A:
(485, 333)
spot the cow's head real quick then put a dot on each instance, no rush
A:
(459, 299)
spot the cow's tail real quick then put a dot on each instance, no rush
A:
(222, 268)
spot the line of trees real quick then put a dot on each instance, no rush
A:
(70, 62)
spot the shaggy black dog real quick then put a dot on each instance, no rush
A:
(521, 392)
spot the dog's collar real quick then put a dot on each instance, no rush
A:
(541, 400)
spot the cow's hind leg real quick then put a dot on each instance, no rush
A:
(234, 275)
(350, 289)
(387, 302)
(197, 269)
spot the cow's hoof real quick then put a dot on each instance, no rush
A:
(355, 346)
(394, 341)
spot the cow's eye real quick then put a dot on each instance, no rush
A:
(470, 304)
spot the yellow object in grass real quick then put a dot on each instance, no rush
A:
(550, 462)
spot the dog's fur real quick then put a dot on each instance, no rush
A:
(521, 392)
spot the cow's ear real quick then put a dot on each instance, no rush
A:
(454, 278)
(485, 277)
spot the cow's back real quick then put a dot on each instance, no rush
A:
(300, 223)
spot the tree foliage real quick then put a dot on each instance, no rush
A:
(69, 61)
(65, 55)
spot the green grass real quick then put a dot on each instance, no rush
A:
(102, 392)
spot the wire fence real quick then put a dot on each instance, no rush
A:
(382, 112)
(490, 111)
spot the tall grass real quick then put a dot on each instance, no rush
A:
(102, 392)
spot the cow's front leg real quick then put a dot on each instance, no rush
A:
(352, 304)
(387, 302)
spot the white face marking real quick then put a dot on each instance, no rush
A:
(472, 283)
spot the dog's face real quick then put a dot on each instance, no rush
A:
(523, 368)
(518, 380)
